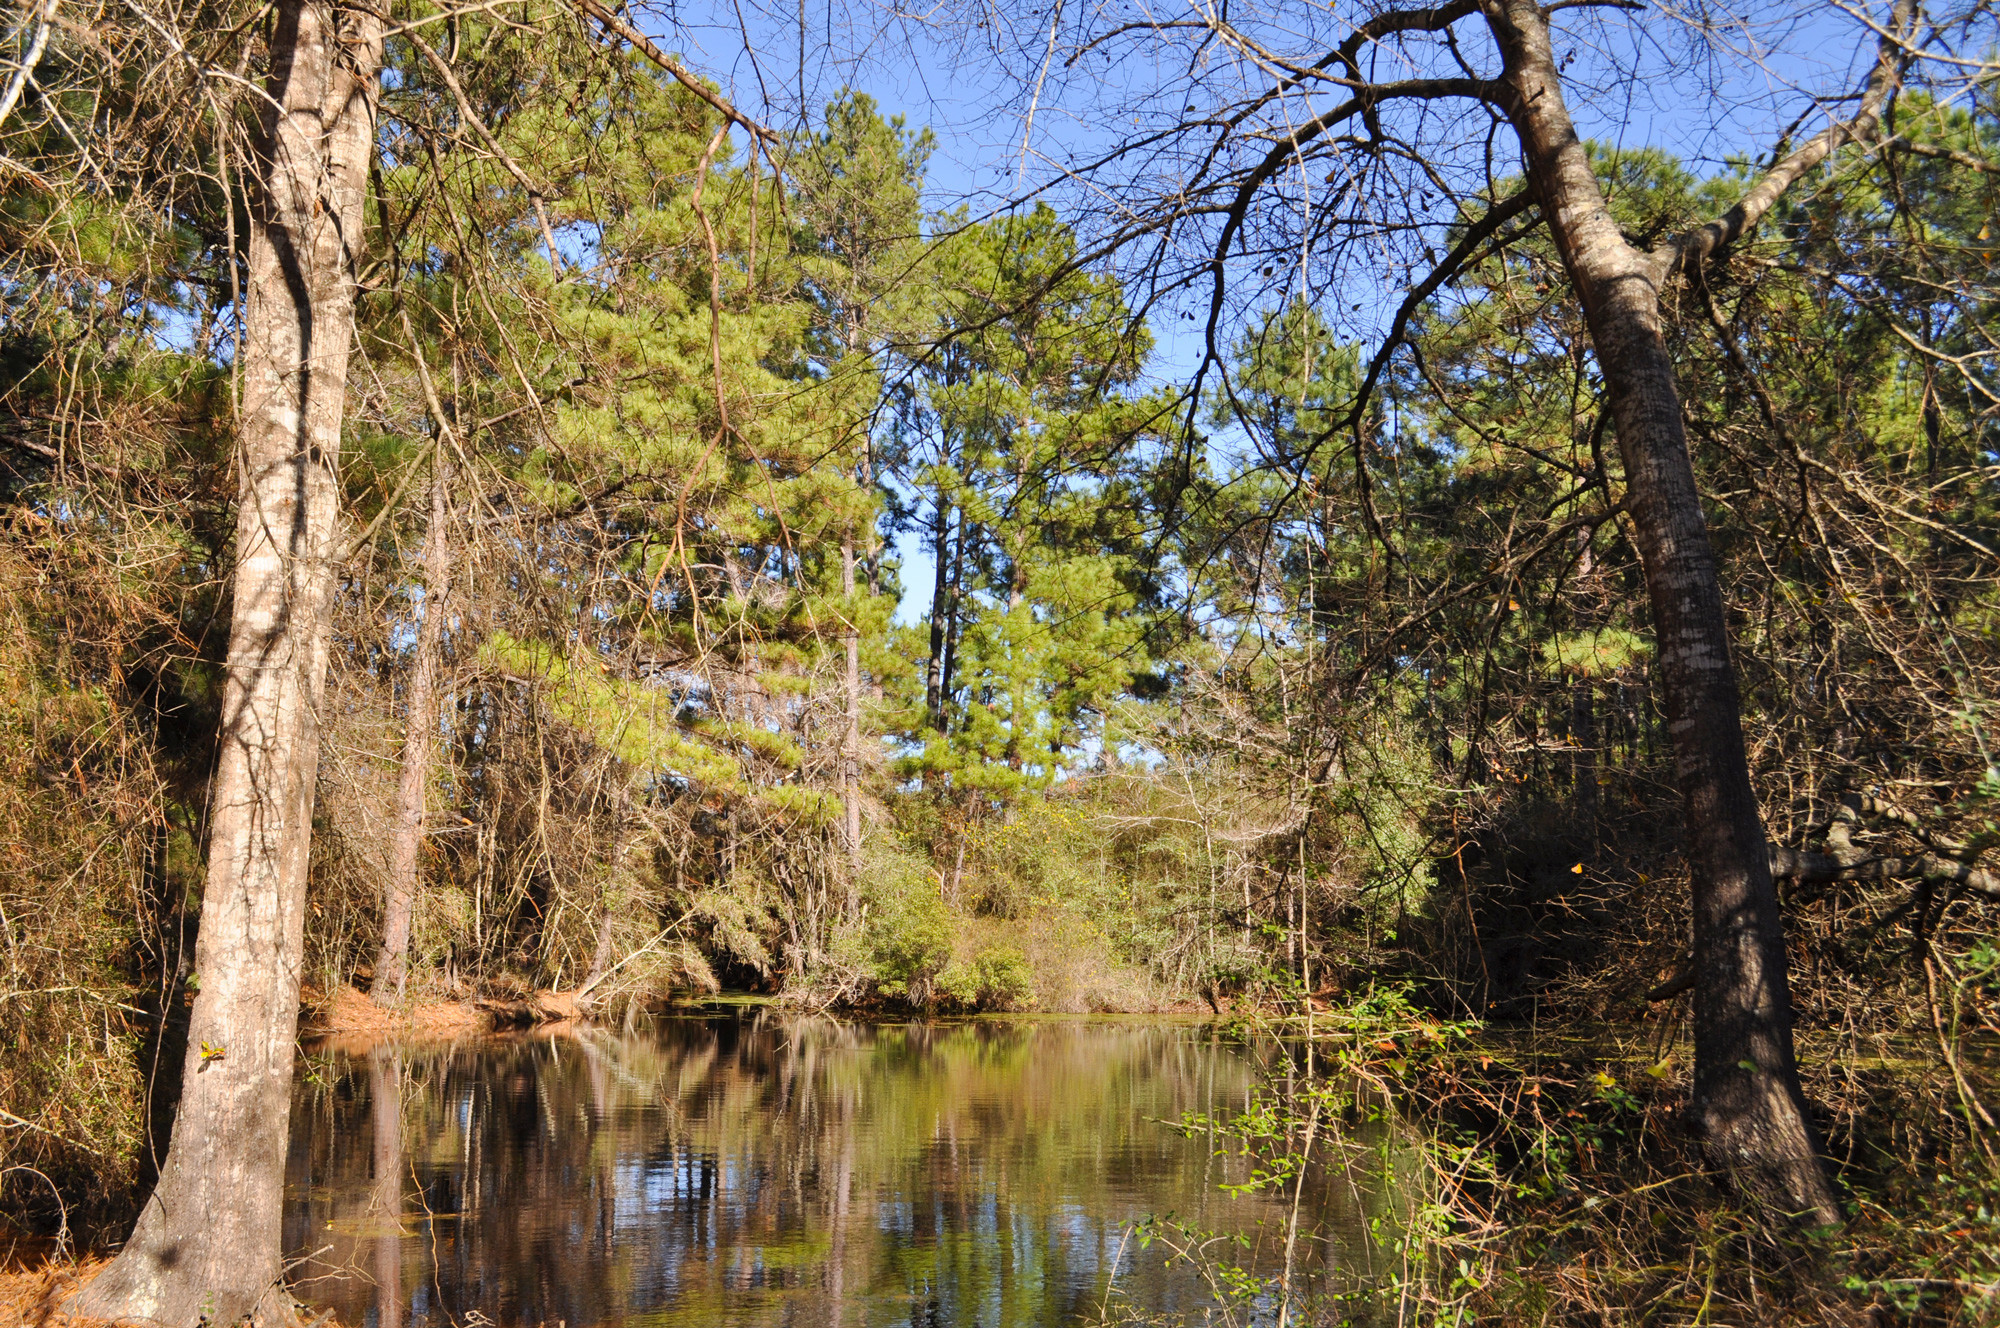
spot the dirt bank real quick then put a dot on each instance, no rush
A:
(348, 1013)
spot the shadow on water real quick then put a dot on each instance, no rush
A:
(749, 1167)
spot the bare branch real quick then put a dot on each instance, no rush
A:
(645, 46)
(1887, 76)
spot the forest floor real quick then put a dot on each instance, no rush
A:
(33, 1289)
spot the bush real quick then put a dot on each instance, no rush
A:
(999, 979)
(908, 933)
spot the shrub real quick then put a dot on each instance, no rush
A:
(998, 979)
(908, 933)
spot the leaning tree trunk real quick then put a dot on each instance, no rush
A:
(1747, 1100)
(392, 966)
(207, 1243)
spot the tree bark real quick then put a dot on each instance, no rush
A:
(850, 755)
(850, 746)
(1747, 1100)
(392, 965)
(1583, 718)
(207, 1243)
(600, 955)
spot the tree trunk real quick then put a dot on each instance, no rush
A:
(873, 557)
(953, 621)
(1747, 1103)
(600, 955)
(207, 1243)
(1583, 718)
(392, 966)
(940, 589)
(850, 755)
(609, 896)
(850, 748)
(385, 1105)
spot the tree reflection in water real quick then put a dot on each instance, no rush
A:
(757, 1168)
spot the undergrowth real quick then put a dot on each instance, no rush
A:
(1528, 1178)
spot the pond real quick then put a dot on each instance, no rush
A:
(749, 1167)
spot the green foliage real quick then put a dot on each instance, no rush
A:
(1596, 652)
(1046, 853)
(908, 931)
(998, 979)
(1029, 457)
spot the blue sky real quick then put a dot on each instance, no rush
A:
(1705, 94)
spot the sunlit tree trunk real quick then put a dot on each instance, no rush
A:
(601, 953)
(392, 966)
(207, 1243)
(850, 751)
(1748, 1102)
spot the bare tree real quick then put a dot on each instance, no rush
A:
(208, 1243)
(1307, 147)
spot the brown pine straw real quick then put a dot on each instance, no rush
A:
(33, 1296)
(34, 1292)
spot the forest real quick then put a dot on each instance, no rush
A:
(1357, 539)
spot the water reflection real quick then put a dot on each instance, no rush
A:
(749, 1168)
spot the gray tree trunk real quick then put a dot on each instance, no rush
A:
(392, 965)
(1748, 1103)
(207, 1243)
(850, 754)
(600, 954)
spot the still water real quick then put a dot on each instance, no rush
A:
(753, 1168)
